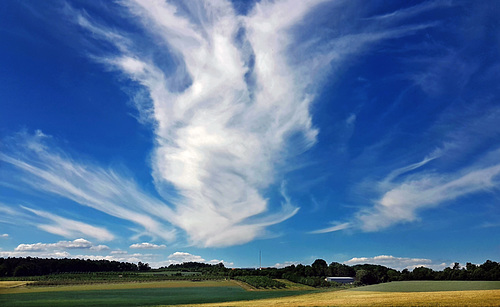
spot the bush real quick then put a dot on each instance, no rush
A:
(260, 281)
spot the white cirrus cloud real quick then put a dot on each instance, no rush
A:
(146, 245)
(70, 228)
(335, 227)
(47, 169)
(397, 263)
(403, 200)
(226, 117)
(406, 191)
(53, 223)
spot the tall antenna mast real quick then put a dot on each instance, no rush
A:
(260, 259)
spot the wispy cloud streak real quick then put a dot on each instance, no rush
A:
(234, 106)
(46, 169)
(220, 137)
(402, 202)
(70, 228)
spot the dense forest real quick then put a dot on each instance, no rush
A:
(39, 266)
(312, 275)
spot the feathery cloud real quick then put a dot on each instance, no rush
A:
(49, 170)
(70, 228)
(146, 245)
(335, 227)
(227, 116)
(223, 133)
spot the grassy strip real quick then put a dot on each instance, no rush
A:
(367, 298)
(290, 285)
(119, 286)
(139, 297)
(11, 284)
(107, 277)
(431, 286)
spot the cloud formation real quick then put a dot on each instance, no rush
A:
(285, 264)
(405, 192)
(335, 227)
(402, 202)
(224, 121)
(61, 245)
(180, 257)
(227, 115)
(45, 168)
(70, 228)
(397, 263)
(146, 245)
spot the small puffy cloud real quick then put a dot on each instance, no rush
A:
(146, 245)
(180, 257)
(4, 236)
(285, 264)
(41, 254)
(78, 243)
(397, 263)
(31, 247)
(61, 245)
(119, 252)
(99, 248)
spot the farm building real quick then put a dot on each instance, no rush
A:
(342, 280)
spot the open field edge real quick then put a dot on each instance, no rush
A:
(24, 286)
(369, 298)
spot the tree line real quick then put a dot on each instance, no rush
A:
(312, 275)
(41, 266)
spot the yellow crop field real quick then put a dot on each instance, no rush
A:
(365, 298)
(11, 284)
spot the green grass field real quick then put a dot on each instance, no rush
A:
(431, 286)
(63, 296)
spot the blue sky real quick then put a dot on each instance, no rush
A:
(170, 131)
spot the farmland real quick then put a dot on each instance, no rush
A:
(214, 285)
(392, 294)
(368, 298)
(228, 293)
(431, 286)
(133, 294)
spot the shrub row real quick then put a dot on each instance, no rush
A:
(261, 281)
